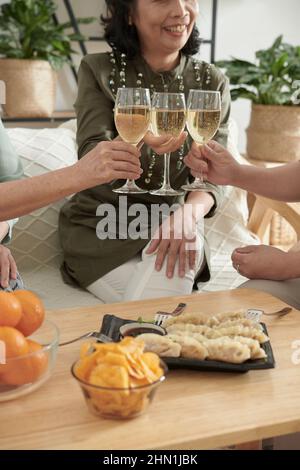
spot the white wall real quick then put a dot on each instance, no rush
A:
(244, 26)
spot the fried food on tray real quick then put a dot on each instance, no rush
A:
(227, 350)
(161, 345)
(227, 337)
(204, 319)
(190, 347)
(218, 332)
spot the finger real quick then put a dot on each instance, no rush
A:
(177, 142)
(196, 165)
(242, 258)
(122, 156)
(172, 257)
(182, 260)
(209, 153)
(161, 254)
(125, 147)
(127, 166)
(153, 245)
(123, 175)
(246, 249)
(200, 175)
(151, 139)
(213, 145)
(4, 279)
(181, 139)
(13, 267)
(192, 259)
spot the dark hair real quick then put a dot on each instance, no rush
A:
(125, 38)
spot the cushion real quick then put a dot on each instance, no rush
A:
(35, 242)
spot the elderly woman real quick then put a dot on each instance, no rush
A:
(152, 47)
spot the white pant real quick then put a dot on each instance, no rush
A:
(138, 279)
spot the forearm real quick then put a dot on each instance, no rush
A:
(281, 183)
(201, 203)
(21, 197)
(4, 228)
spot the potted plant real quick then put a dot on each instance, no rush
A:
(32, 48)
(272, 84)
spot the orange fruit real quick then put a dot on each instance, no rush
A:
(15, 345)
(10, 309)
(28, 369)
(33, 312)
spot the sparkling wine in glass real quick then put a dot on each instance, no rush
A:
(132, 119)
(168, 117)
(203, 121)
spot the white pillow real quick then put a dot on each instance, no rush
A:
(35, 243)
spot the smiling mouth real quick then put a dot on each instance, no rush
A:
(180, 28)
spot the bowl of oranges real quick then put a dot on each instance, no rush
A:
(118, 380)
(28, 344)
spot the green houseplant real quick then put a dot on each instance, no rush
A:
(272, 84)
(32, 48)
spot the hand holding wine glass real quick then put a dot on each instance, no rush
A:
(132, 119)
(203, 120)
(215, 162)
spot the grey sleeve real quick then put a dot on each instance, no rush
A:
(10, 163)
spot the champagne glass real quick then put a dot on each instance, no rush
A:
(168, 116)
(132, 119)
(203, 121)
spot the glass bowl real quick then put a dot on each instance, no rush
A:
(119, 403)
(22, 375)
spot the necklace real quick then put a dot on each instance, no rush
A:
(202, 76)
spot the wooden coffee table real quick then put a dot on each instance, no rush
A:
(192, 410)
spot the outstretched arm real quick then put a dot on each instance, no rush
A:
(219, 166)
(106, 162)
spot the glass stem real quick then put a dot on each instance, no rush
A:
(166, 184)
(199, 179)
(130, 184)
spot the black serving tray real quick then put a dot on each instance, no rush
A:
(111, 326)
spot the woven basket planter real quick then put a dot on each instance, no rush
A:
(274, 133)
(30, 88)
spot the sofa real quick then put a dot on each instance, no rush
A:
(35, 243)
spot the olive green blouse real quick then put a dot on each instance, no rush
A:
(88, 258)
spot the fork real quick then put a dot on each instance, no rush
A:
(92, 334)
(161, 317)
(255, 314)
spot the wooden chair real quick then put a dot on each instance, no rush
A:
(262, 210)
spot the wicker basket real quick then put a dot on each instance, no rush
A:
(30, 88)
(274, 133)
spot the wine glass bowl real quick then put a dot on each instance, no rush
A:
(203, 121)
(132, 119)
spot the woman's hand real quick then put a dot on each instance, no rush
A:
(110, 160)
(262, 262)
(165, 143)
(213, 162)
(175, 239)
(8, 267)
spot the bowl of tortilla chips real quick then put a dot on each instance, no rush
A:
(118, 380)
